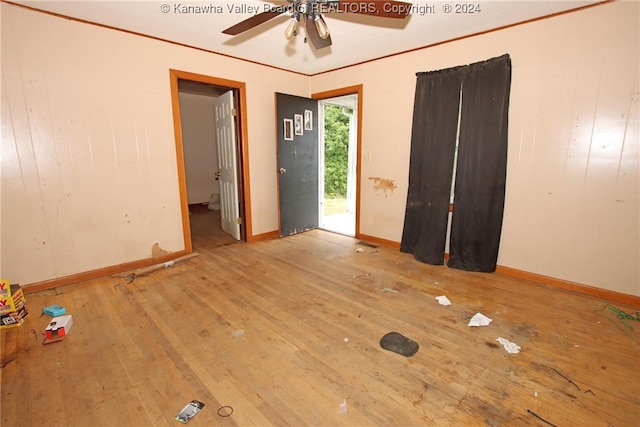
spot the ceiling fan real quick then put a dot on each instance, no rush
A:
(310, 11)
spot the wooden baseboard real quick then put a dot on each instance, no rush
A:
(609, 295)
(613, 296)
(264, 236)
(100, 272)
(618, 297)
(378, 241)
(120, 268)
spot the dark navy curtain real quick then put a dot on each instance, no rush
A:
(480, 170)
(433, 145)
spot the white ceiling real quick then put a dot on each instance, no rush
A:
(356, 38)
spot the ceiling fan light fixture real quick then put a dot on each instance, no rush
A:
(323, 30)
(290, 31)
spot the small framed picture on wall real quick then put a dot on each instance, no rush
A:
(288, 130)
(297, 124)
(308, 120)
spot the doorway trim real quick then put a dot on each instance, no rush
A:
(243, 149)
(351, 90)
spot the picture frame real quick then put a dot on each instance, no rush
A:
(298, 124)
(288, 130)
(308, 120)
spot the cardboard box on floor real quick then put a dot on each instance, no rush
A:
(13, 305)
(58, 328)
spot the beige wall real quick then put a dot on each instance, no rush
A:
(572, 181)
(89, 175)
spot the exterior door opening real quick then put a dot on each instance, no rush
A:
(312, 161)
(337, 160)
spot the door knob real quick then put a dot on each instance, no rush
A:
(282, 170)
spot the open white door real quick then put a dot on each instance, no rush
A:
(333, 216)
(227, 164)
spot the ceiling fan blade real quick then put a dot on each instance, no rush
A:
(384, 9)
(313, 35)
(254, 21)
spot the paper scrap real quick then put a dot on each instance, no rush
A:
(237, 334)
(443, 300)
(189, 411)
(479, 319)
(509, 346)
(359, 250)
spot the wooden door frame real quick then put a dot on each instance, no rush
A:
(243, 149)
(351, 90)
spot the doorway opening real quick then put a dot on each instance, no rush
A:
(338, 165)
(211, 159)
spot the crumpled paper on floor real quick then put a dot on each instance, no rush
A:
(479, 319)
(509, 346)
(443, 300)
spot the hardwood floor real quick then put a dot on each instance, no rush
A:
(206, 232)
(287, 332)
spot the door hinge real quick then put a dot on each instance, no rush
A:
(234, 112)
(238, 220)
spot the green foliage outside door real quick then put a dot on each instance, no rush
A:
(336, 151)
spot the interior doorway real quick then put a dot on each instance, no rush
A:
(209, 130)
(338, 160)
